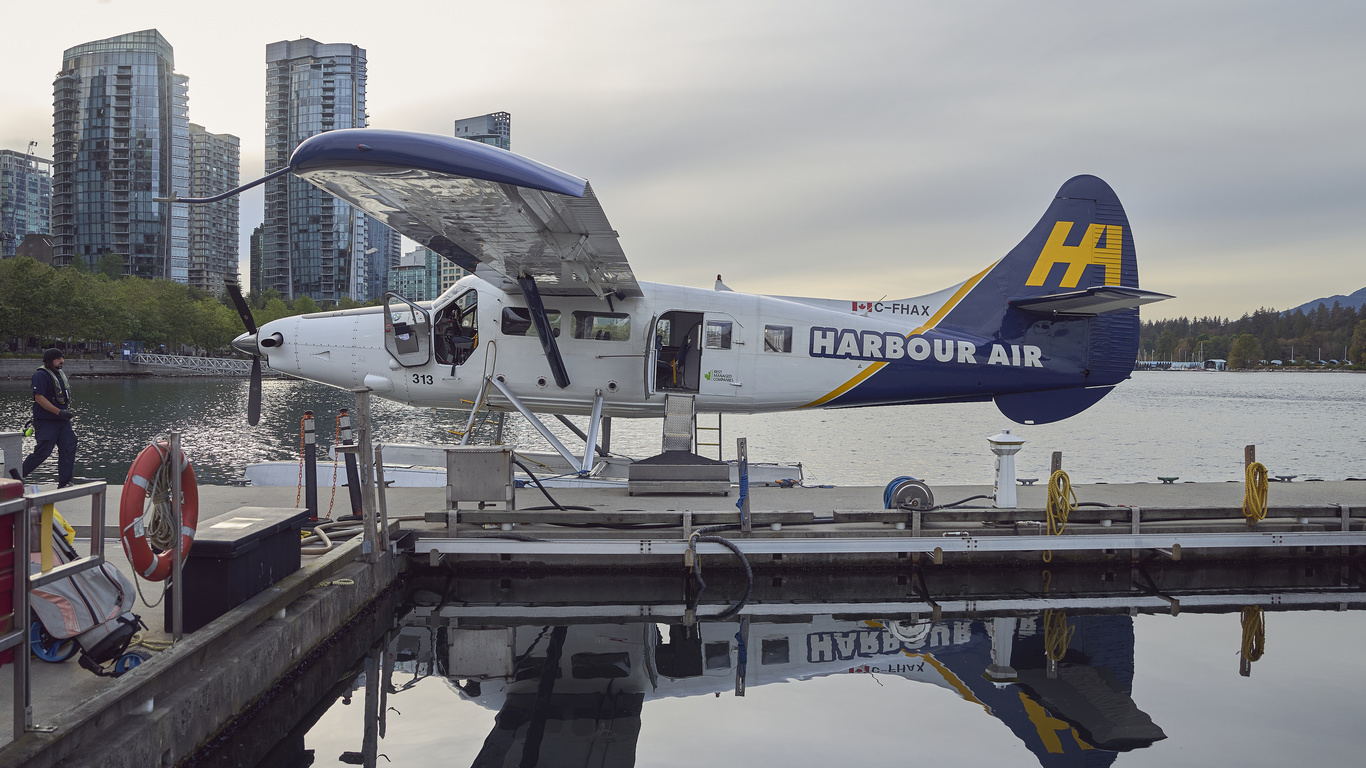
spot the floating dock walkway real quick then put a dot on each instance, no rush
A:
(841, 527)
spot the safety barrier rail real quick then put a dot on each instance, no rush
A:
(38, 505)
(202, 366)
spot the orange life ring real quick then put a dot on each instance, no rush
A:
(154, 566)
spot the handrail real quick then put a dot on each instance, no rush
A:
(30, 504)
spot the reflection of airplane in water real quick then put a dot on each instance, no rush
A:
(574, 694)
(570, 663)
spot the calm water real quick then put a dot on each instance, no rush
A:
(464, 679)
(1192, 425)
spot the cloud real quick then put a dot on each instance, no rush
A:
(845, 147)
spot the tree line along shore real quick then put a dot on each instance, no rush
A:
(88, 312)
(94, 311)
(1297, 338)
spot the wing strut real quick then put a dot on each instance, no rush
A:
(552, 349)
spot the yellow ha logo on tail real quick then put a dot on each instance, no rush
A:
(1079, 257)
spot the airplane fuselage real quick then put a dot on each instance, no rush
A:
(735, 352)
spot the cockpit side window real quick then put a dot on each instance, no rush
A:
(457, 329)
(517, 321)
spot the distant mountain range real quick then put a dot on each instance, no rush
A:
(1357, 300)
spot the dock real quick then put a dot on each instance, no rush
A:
(847, 526)
(814, 540)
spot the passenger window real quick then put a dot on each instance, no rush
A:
(774, 651)
(716, 655)
(718, 334)
(598, 666)
(517, 322)
(777, 338)
(602, 326)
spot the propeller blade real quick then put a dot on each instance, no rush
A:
(235, 291)
(254, 393)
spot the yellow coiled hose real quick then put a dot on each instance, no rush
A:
(1062, 501)
(1255, 493)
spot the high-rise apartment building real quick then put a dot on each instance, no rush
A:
(383, 247)
(418, 275)
(494, 128)
(254, 257)
(314, 245)
(215, 167)
(450, 274)
(121, 137)
(25, 198)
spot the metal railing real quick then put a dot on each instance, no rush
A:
(201, 366)
(31, 507)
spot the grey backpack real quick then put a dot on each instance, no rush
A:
(93, 608)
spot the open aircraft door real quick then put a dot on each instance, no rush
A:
(407, 331)
(653, 344)
(721, 369)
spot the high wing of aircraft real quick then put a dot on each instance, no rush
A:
(553, 320)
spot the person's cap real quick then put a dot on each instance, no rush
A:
(50, 355)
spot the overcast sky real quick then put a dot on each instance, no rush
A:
(853, 149)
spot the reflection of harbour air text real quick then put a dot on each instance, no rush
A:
(880, 641)
(875, 345)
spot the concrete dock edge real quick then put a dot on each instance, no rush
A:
(199, 685)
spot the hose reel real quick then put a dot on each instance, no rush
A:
(908, 493)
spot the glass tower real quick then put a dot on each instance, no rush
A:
(215, 168)
(25, 198)
(121, 138)
(383, 247)
(313, 244)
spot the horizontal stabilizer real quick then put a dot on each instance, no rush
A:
(1090, 302)
(1050, 406)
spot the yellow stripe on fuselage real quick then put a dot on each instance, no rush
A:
(951, 679)
(931, 323)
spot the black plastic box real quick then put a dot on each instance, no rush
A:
(234, 557)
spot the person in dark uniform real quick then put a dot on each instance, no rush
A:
(52, 419)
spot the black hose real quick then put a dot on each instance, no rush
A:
(512, 536)
(950, 506)
(714, 528)
(702, 584)
(614, 526)
(544, 492)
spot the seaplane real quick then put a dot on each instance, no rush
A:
(552, 319)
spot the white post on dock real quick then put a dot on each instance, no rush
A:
(364, 438)
(1005, 446)
(1002, 641)
(177, 589)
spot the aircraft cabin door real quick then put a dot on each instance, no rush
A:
(653, 344)
(720, 373)
(407, 331)
(676, 348)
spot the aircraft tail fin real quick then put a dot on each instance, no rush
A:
(1071, 289)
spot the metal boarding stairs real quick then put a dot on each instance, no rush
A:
(680, 417)
(682, 432)
(680, 427)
